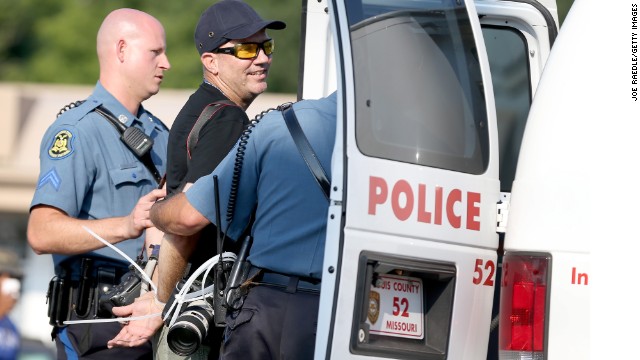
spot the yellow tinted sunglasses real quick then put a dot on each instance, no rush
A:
(248, 50)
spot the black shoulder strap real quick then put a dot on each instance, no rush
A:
(135, 140)
(206, 114)
(306, 150)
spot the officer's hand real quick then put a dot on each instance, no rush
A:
(139, 217)
(138, 332)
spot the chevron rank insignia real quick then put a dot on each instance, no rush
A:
(51, 177)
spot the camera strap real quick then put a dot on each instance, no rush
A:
(206, 114)
(194, 135)
(305, 149)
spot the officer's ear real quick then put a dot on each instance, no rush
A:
(121, 45)
(210, 62)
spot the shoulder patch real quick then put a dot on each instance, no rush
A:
(62, 145)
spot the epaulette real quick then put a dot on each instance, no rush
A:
(77, 109)
(156, 119)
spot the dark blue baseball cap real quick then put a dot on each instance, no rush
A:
(229, 20)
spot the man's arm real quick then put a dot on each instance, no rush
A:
(177, 216)
(51, 231)
(171, 264)
(152, 236)
(173, 259)
(176, 213)
(170, 215)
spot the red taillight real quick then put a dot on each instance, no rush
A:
(523, 306)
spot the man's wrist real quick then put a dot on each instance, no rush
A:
(157, 302)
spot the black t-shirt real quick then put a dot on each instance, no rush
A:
(216, 138)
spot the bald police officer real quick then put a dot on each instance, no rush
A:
(88, 177)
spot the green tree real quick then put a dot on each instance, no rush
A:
(563, 9)
(18, 21)
(53, 41)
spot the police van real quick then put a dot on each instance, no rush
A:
(434, 98)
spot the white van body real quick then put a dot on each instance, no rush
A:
(411, 259)
(571, 234)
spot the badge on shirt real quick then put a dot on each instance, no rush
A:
(61, 146)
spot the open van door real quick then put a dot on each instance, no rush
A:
(411, 253)
(518, 36)
(410, 260)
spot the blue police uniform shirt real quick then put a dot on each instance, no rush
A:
(9, 339)
(291, 214)
(87, 171)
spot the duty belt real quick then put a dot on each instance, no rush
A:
(290, 283)
(76, 290)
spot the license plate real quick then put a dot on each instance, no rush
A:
(395, 307)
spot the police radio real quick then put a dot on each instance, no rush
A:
(133, 138)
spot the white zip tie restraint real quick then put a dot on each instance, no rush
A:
(183, 295)
(71, 322)
(142, 272)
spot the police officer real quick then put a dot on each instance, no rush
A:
(235, 53)
(89, 178)
(288, 232)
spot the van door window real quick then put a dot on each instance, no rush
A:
(418, 85)
(510, 74)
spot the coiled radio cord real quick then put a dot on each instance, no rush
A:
(237, 168)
